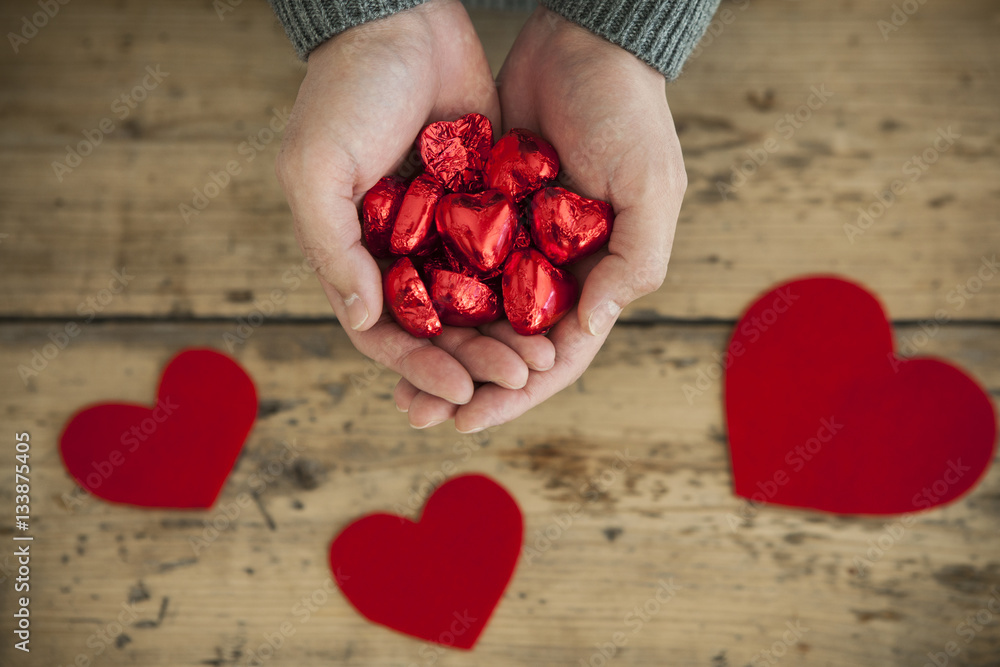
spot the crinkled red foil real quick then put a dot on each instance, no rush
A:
(536, 294)
(409, 301)
(413, 232)
(567, 227)
(461, 300)
(478, 229)
(455, 152)
(520, 163)
(378, 214)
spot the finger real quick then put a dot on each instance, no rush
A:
(492, 405)
(639, 250)
(403, 394)
(486, 359)
(427, 367)
(426, 411)
(536, 351)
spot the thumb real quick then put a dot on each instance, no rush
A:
(332, 244)
(637, 264)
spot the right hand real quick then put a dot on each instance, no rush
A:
(366, 95)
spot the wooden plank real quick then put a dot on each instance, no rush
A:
(226, 78)
(663, 518)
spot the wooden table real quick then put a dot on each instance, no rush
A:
(221, 82)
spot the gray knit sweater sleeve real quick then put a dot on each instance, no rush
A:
(661, 33)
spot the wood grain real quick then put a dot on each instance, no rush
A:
(670, 515)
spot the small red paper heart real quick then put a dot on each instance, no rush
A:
(455, 152)
(520, 163)
(176, 454)
(409, 301)
(567, 227)
(438, 579)
(823, 414)
(478, 229)
(535, 293)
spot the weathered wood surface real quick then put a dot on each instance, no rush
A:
(666, 516)
(120, 206)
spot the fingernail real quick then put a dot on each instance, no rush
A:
(536, 367)
(428, 424)
(454, 402)
(603, 317)
(357, 312)
(506, 385)
(477, 429)
(401, 409)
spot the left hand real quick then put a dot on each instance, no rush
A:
(606, 114)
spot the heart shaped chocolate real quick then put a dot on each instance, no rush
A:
(462, 301)
(413, 232)
(520, 163)
(536, 294)
(378, 214)
(408, 300)
(455, 152)
(567, 227)
(478, 229)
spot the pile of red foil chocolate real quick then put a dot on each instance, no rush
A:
(481, 232)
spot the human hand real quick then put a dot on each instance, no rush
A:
(366, 95)
(606, 114)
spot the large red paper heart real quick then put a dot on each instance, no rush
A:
(478, 228)
(439, 579)
(176, 454)
(823, 414)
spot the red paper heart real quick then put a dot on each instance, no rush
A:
(535, 293)
(439, 579)
(478, 228)
(176, 454)
(823, 414)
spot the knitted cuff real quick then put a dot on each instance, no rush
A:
(309, 23)
(661, 33)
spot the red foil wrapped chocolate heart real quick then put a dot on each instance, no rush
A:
(567, 227)
(536, 294)
(378, 214)
(478, 229)
(520, 163)
(455, 152)
(413, 232)
(408, 300)
(461, 300)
